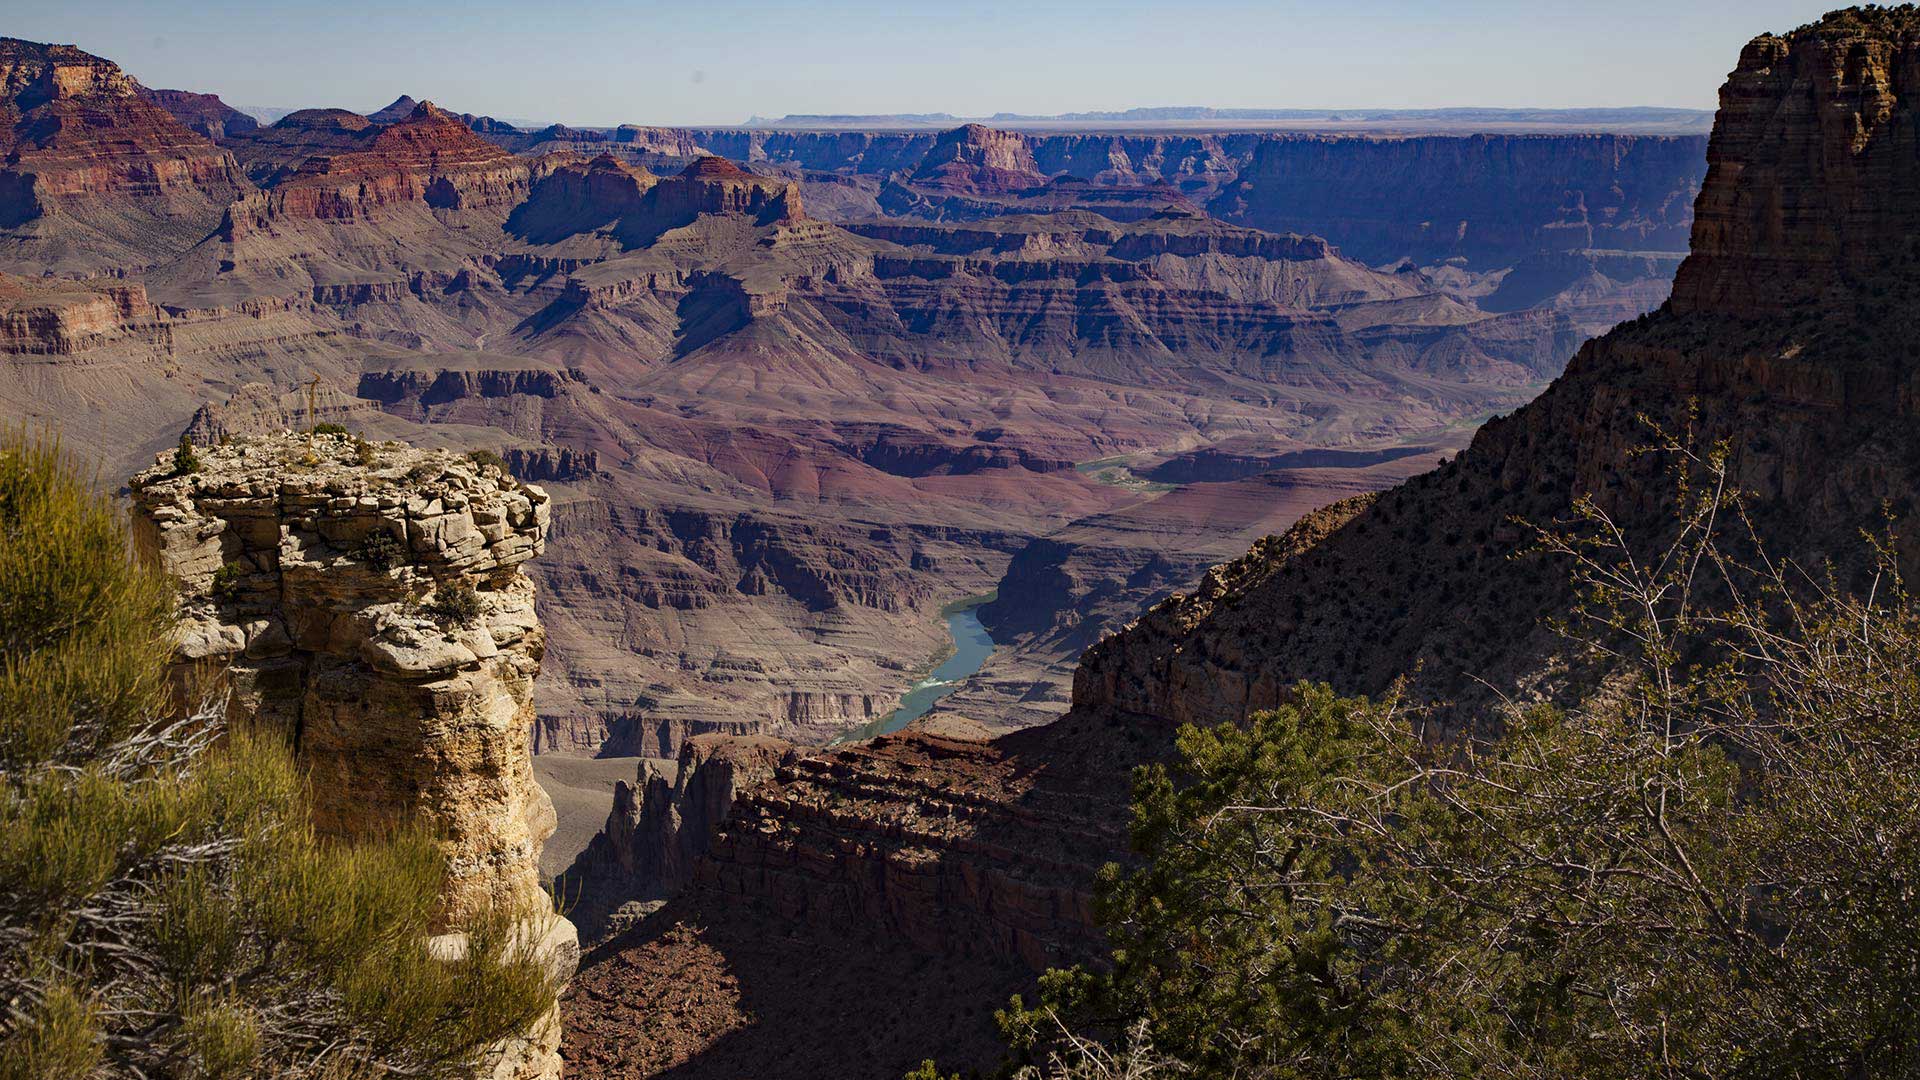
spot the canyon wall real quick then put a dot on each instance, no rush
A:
(374, 607)
(1489, 199)
(932, 847)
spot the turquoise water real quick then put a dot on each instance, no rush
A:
(971, 647)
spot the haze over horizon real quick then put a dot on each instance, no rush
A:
(589, 63)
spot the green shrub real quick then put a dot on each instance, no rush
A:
(381, 550)
(185, 458)
(226, 581)
(1704, 869)
(484, 458)
(364, 453)
(329, 429)
(166, 909)
(455, 604)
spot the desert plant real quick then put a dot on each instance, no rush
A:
(364, 453)
(329, 428)
(166, 908)
(453, 604)
(381, 550)
(185, 458)
(1703, 869)
(226, 581)
(487, 458)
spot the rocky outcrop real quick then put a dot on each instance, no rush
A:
(204, 113)
(430, 159)
(377, 611)
(712, 185)
(979, 160)
(273, 153)
(1813, 173)
(662, 824)
(552, 463)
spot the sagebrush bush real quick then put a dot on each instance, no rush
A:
(166, 909)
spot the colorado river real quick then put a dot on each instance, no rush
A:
(971, 647)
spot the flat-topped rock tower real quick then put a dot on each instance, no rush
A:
(369, 599)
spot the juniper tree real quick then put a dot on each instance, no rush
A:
(1707, 867)
(166, 909)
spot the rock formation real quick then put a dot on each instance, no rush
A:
(1782, 341)
(429, 158)
(204, 113)
(374, 607)
(662, 823)
(93, 174)
(979, 160)
(780, 445)
(398, 109)
(1490, 199)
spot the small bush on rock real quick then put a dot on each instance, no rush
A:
(381, 550)
(226, 581)
(185, 458)
(451, 605)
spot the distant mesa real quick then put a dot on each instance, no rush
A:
(204, 113)
(1637, 120)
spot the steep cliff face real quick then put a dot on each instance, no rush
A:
(662, 824)
(1815, 400)
(93, 175)
(1490, 199)
(1813, 174)
(301, 573)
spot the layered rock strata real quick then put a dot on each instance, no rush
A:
(374, 606)
(92, 173)
(1803, 380)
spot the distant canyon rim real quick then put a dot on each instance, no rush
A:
(793, 388)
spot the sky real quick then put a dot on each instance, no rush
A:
(694, 62)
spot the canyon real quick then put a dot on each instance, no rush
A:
(900, 888)
(786, 395)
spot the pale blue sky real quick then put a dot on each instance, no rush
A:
(719, 61)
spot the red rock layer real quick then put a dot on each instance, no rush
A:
(48, 317)
(430, 158)
(75, 127)
(979, 159)
(204, 113)
(1813, 182)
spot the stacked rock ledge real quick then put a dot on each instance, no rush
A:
(370, 601)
